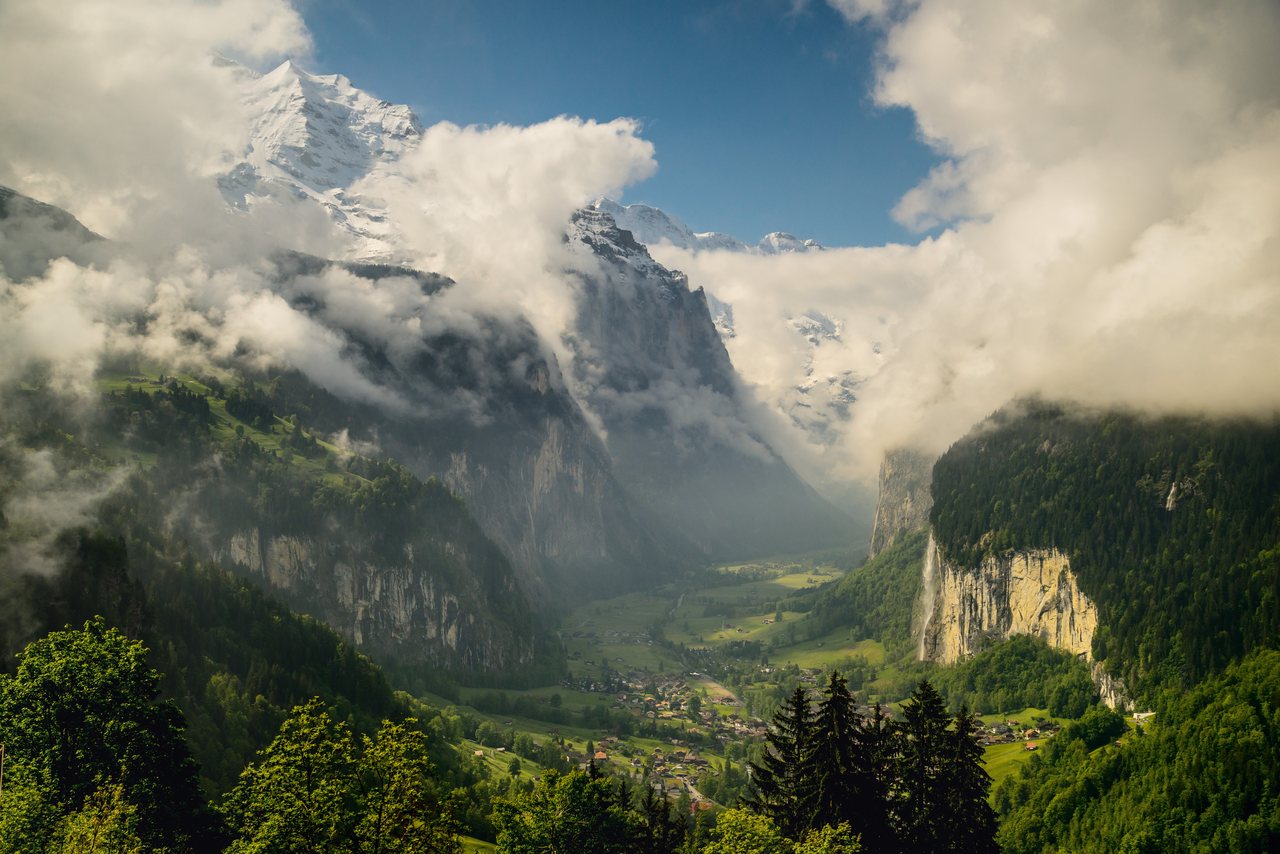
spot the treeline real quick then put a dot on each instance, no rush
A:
(1200, 776)
(1172, 526)
(916, 783)
(233, 659)
(96, 761)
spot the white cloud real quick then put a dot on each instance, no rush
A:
(1112, 191)
(488, 206)
(117, 109)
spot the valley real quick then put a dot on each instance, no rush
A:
(391, 470)
(676, 686)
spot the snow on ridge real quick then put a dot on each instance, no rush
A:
(313, 136)
(653, 226)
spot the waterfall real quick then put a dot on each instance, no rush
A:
(928, 592)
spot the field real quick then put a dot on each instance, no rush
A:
(1005, 759)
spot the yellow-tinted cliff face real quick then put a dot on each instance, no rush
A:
(1027, 593)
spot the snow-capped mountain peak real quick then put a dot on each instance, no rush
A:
(778, 242)
(321, 130)
(314, 136)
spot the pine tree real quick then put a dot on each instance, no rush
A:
(836, 765)
(971, 821)
(878, 748)
(920, 808)
(783, 790)
(662, 831)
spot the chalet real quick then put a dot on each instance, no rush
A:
(1031, 745)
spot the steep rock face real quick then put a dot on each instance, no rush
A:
(1027, 593)
(649, 362)
(1030, 592)
(405, 610)
(905, 497)
(489, 414)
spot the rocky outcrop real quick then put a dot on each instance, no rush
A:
(408, 610)
(905, 497)
(1110, 689)
(1031, 592)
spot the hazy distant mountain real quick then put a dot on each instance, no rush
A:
(816, 402)
(650, 362)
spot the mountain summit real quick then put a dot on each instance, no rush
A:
(314, 136)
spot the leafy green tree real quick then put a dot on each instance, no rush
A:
(566, 814)
(310, 791)
(740, 831)
(300, 796)
(830, 839)
(399, 808)
(106, 824)
(82, 716)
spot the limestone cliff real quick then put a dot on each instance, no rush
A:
(904, 498)
(1031, 592)
(406, 609)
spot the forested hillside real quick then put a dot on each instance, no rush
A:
(875, 600)
(1172, 526)
(1200, 777)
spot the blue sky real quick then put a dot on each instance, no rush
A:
(761, 114)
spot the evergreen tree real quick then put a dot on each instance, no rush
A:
(783, 791)
(920, 813)
(878, 749)
(836, 766)
(662, 831)
(970, 818)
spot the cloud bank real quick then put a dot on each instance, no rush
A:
(1109, 199)
(488, 207)
(117, 110)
